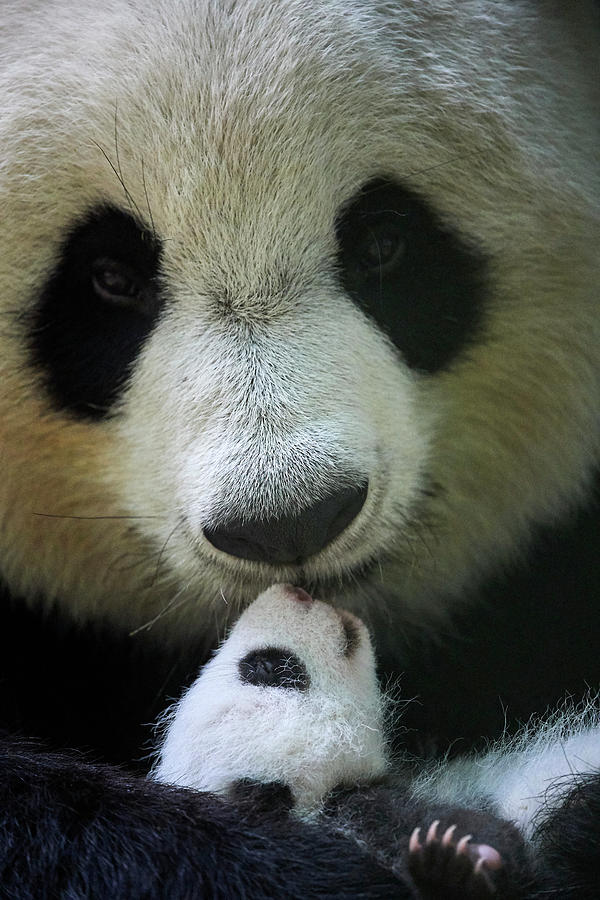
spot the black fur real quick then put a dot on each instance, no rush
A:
(562, 862)
(275, 667)
(381, 818)
(569, 843)
(65, 683)
(533, 642)
(73, 830)
(84, 343)
(429, 296)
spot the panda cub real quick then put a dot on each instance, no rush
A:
(288, 715)
(290, 697)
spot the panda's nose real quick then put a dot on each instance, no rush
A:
(291, 538)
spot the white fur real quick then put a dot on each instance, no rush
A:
(526, 776)
(224, 729)
(239, 130)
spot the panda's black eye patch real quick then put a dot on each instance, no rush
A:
(97, 308)
(274, 667)
(419, 281)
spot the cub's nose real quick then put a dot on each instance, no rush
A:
(292, 538)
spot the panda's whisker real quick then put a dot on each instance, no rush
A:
(162, 552)
(171, 606)
(446, 162)
(130, 199)
(145, 187)
(131, 202)
(371, 603)
(126, 562)
(421, 533)
(90, 518)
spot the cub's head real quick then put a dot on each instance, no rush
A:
(290, 697)
(291, 291)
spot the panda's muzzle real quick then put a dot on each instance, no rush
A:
(291, 538)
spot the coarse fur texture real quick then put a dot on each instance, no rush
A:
(98, 837)
(295, 291)
(244, 400)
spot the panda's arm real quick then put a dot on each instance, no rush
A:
(72, 829)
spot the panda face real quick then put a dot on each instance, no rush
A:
(289, 293)
(291, 696)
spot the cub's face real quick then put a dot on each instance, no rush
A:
(290, 697)
(290, 292)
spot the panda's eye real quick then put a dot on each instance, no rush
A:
(410, 272)
(381, 248)
(117, 283)
(96, 310)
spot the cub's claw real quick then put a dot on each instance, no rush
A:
(447, 867)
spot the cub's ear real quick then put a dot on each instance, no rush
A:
(272, 800)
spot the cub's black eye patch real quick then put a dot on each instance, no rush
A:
(274, 667)
(417, 279)
(96, 310)
(271, 799)
(351, 635)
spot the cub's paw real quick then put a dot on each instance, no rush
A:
(448, 865)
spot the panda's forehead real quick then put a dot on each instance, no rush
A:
(273, 184)
(257, 215)
(261, 139)
(238, 138)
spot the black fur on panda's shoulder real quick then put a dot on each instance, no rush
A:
(562, 862)
(531, 645)
(569, 842)
(86, 830)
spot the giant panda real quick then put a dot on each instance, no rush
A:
(289, 291)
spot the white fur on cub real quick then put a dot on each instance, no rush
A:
(224, 729)
(524, 776)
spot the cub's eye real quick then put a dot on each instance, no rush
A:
(117, 283)
(380, 248)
